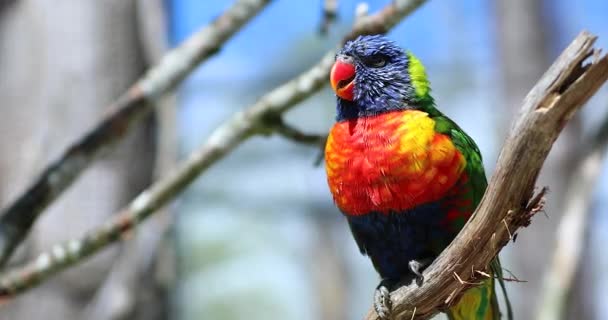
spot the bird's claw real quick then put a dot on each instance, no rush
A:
(382, 301)
(417, 267)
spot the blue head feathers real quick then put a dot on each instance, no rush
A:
(386, 78)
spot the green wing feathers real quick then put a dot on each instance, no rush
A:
(469, 149)
(478, 303)
(481, 303)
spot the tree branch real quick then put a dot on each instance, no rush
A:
(224, 139)
(276, 125)
(17, 219)
(570, 238)
(506, 205)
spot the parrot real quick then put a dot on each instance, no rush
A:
(406, 177)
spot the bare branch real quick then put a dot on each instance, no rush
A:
(17, 219)
(384, 20)
(224, 139)
(278, 126)
(564, 88)
(558, 282)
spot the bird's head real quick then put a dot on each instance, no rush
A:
(373, 75)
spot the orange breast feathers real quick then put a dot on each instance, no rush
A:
(390, 163)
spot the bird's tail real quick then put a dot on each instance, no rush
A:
(480, 303)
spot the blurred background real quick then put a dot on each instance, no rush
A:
(257, 236)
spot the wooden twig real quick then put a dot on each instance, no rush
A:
(277, 125)
(224, 139)
(384, 20)
(562, 90)
(17, 219)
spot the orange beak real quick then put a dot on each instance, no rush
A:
(342, 78)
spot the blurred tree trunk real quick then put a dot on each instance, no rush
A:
(583, 297)
(62, 63)
(523, 48)
(329, 270)
(524, 34)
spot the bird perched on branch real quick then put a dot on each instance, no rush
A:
(406, 177)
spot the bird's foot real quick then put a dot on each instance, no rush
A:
(382, 300)
(417, 266)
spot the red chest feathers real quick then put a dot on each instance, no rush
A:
(390, 162)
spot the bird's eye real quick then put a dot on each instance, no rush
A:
(375, 61)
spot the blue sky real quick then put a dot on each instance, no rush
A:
(423, 32)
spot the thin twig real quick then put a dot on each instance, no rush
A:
(484, 274)
(278, 126)
(17, 219)
(291, 133)
(507, 227)
(512, 276)
(564, 88)
(513, 280)
(224, 139)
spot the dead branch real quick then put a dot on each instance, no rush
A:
(17, 219)
(278, 126)
(224, 139)
(562, 90)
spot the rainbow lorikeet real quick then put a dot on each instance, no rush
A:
(406, 177)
